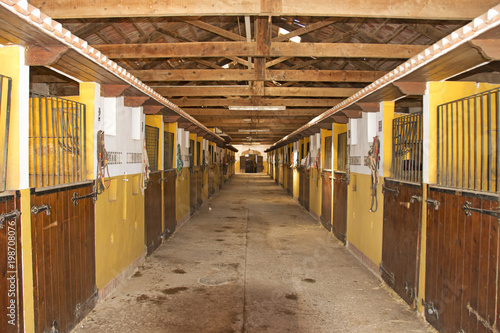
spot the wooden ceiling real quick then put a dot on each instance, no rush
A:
(208, 60)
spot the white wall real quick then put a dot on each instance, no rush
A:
(124, 133)
(259, 148)
(362, 132)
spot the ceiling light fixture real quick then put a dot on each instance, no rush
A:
(258, 108)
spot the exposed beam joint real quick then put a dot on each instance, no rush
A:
(43, 56)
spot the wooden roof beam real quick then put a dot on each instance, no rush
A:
(444, 9)
(290, 102)
(251, 49)
(248, 91)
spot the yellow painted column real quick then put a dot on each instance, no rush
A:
(12, 65)
(89, 92)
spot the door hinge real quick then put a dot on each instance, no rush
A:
(468, 210)
(433, 202)
(9, 216)
(415, 198)
(92, 195)
(395, 190)
(430, 308)
(390, 275)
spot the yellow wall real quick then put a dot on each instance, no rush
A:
(119, 228)
(364, 229)
(88, 96)
(388, 110)
(10, 66)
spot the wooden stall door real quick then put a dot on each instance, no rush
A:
(11, 296)
(302, 177)
(192, 191)
(339, 223)
(307, 190)
(169, 202)
(211, 180)
(326, 200)
(462, 278)
(152, 212)
(199, 183)
(243, 164)
(401, 238)
(276, 173)
(260, 164)
(63, 258)
(289, 186)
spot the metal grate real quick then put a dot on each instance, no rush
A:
(407, 148)
(342, 152)
(328, 153)
(168, 149)
(468, 153)
(152, 134)
(57, 141)
(5, 100)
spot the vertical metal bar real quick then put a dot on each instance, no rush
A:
(463, 144)
(414, 148)
(84, 140)
(393, 148)
(490, 145)
(40, 139)
(419, 147)
(54, 146)
(457, 145)
(447, 144)
(65, 160)
(7, 128)
(469, 139)
(481, 151)
(452, 146)
(439, 148)
(475, 143)
(33, 159)
(47, 163)
(73, 138)
(497, 115)
(57, 116)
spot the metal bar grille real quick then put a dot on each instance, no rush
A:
(152, 134)
(407, 148)
(342, 152)
(468, 142)
(5, 100)
(328, 153)
(57, 141)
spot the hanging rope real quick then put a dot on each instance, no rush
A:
(180, 164)
(374, 158)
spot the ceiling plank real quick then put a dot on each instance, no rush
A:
(249, 75)
(443, 9)
(225, 112)
(250, 49)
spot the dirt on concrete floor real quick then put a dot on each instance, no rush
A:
(252, 260)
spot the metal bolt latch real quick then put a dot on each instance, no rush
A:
(433, 202)
(429, 307)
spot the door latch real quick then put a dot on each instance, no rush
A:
(468, 210)
(433, 202)
(92, 195)
(395, 190)
(9, 216)
(40, 209)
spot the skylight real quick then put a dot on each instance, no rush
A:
(295, 39)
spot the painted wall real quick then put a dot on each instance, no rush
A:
(296, 175)
(183, 180)
(119, 227)
(315, 184)
(364, 228)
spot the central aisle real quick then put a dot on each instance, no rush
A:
(252, 260)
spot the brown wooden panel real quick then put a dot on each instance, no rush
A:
(260, 164)
(242, 163)
(462, 262)
(339, 222)
(326, 200)
(192, 191)
(169, 202)
(152, 212)
(63, 259)
(289, 186)
(199, 184)
(302, 177)
(306, 189)
(11, 300)
(400, 240)
(211, 180)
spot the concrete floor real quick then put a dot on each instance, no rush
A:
(252, 260)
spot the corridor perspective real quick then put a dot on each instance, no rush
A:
(252, 260)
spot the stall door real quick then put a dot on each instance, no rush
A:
(192, 191)
(169, 201)
(152, 212)
(400, 239)
(199, 183)
(326, 200)
(307, 190)
(211, 180)
(63, 257)
(242, 164)
(11, 297)
(339, 222)
(462, 288)
(260, 164)
(302, 177)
